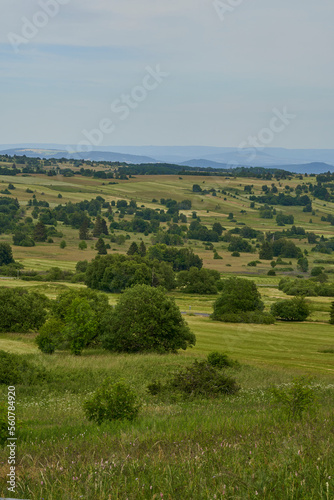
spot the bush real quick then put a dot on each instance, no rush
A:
(238, 295)
(256, 317)
(271, 272)
(294, 309)
(14, 369)
(50, 336)
(295, 399)
(220, 360)
(145, 319)
(202, 379)
(112, 401)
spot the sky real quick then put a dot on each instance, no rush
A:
(176, 72)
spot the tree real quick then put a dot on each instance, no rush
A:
(145, 319)
(21, 311)
(217, 228)
(82, 245)
(98, 228)
(142, 249)
(84, 229)
(133, 249)
(266, 251)
(101, 247)
(295, 309)
(302, 264)
(197, 188)
(6, 254)
(78, 319)
(62, 244)
(40, 233)
(238, 295)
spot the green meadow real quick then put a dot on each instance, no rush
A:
(233, 447)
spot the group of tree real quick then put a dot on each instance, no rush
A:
(144, 320)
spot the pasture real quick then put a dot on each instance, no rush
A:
(234, 447)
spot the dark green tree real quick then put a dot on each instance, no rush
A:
(145, 319)
(84, 229)
(40, 233)
(6, 254)
(142, 249)
(266, 251)
(302, 264)
(98, 227)
(133, 249)
(101, 247)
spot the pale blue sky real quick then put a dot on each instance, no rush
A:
(225, 76)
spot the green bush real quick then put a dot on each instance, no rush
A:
(112, 401)
(14, 369)
(256, 317)
(50, 336)
(220, 360)
(202, 379)
(295, 399)
(295, 309)
(238, 295)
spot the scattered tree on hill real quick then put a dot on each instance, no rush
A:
(145, 319)
(266, 251)
(101, 247)
(84, 229)
(142, 249)
(40, 233)
(133, 249)
(6, 254)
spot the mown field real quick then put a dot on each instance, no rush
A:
(235, 447)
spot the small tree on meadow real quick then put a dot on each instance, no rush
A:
(101, 247)
(145, 319)
(6, 254)
(332, 314)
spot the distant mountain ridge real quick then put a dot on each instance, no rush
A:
(293, 160)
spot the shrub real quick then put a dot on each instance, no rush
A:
(238, 295)
(220, 360)
(295, 309)
(112, 401)
(256, 317)
(295, 399)
(63, 244)
(271, 272)
(202, 379)
(14, 369)
(50, 336)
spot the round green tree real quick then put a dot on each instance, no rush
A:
(238, 296)
(145, 319)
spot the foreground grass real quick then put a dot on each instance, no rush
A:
(238, 447)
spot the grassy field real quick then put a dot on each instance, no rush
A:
(234, 447)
